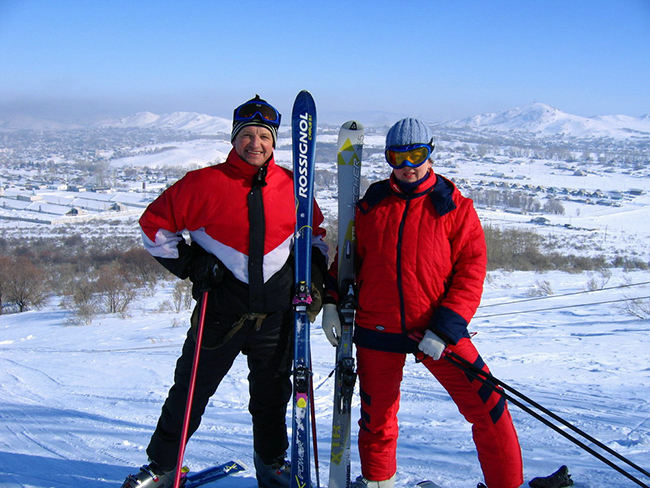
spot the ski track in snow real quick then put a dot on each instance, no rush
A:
(80, 403)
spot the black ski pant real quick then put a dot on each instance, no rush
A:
(268, 347)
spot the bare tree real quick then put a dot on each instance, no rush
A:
(116, 292)
(82, 301)
(5, 266)
(23, 284)
(140, 266)
(553, 206)
(182, 295)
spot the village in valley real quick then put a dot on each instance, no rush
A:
(537, 167)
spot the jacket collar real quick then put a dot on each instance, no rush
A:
(245, 170)
(439, 189)
(442, 195)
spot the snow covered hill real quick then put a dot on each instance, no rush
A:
(79, 403)
(544, 120)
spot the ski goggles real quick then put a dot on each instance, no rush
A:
(413, 155)
(257, 109)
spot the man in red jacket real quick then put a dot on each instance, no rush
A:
(421, 263)
(241, 218)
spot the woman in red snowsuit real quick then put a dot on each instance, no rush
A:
(421, 263)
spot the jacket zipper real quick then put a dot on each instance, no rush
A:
(400, 289)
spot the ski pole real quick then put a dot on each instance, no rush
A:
(489, 376)
(190, 391)
(314, 432)
(491, 381)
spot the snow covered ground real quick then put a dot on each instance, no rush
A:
(78, 403)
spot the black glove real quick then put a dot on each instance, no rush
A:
(205, 272)
(314, 308)
(317, 291)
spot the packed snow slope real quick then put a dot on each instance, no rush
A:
(79, 403)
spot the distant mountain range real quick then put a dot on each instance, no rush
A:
(544, 120)
(537, 119)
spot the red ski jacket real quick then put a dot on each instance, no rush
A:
(421, 260)
(212, 205)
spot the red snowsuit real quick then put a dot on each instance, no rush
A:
(421, 260)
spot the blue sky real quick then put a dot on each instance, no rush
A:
(435, 59)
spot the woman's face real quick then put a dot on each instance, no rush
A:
(411, 175)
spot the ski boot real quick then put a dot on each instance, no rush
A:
(276, 474)
(559, 479)
(151, 476)
(362, 482)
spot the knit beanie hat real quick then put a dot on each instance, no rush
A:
(408, 131)
(252, 106)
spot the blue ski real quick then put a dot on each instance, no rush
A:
(213, 473)
(303, 128)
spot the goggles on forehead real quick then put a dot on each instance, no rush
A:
(413, 155)
(257, 109)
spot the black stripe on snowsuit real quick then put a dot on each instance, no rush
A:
(487, 390)
(256, 244)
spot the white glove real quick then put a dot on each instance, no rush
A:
(331, 323)
(431, 345)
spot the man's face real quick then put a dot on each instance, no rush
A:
(254, 144)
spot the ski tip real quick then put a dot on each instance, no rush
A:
(304, 102)
(427, 484)
(352, 125)
(240, 464)
(304, 95)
